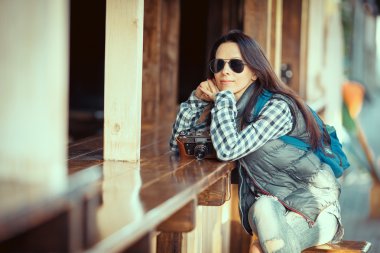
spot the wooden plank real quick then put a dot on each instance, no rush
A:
(263, 22)
(211, 229)
(169, 60)
(144, 245)
(145, 178)
(276, 36)
(343, 246)
(55, 229)
(291, 43)
(145, 205)
(169, 242)
(239, 240)
(181, 221)
(217, 194)
(34, 87)
(123, 79)
(151, 61)
(27, 208)
(257, 22)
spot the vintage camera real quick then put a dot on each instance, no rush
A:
(195, 144)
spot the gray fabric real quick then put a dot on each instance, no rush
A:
(296, 177)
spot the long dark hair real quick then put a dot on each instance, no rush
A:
(267, 79)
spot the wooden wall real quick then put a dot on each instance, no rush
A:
(263, 22)
(160, 63)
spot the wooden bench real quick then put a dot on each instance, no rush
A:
(343, 246)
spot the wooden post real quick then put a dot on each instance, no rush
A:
(257, 22)
(152, 56)
(276, 36)
(263, 22)
(294, 42)
(33, 92)
(169, 59)
(123, 79)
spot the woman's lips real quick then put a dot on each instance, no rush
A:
(226, 81)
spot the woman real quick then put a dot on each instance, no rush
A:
(287, 197)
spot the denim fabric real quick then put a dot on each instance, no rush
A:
(283, 231)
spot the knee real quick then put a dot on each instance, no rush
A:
(274, 245)
(264, 204)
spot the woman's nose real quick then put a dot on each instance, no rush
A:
(226, 68)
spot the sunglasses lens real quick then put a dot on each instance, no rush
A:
(236, 65)
(216, 65)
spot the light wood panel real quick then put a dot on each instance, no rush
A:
(123, 79)
(276, 36)
(33, 92)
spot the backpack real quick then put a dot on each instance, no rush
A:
(330, 152)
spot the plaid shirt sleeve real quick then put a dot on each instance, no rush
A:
(189, 113)
(274, 120)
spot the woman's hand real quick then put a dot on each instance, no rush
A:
(207, 90)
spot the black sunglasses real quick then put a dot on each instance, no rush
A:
(217, 65)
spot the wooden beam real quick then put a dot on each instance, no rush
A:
(123, 79)
(144, 245)
(169, 59)
(169, 243)
(217, 194)
(276, 36)
(294, 44)
(182, 221)
(34, 88)
(151, 61)
(257, 22)
(263, 22)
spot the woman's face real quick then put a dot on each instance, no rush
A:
(227, 79)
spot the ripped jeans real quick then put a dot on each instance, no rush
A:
(285, 231)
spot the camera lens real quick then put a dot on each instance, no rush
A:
(200, 151)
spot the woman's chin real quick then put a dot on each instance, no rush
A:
(227, 87)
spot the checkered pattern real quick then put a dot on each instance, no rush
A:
(230, 143)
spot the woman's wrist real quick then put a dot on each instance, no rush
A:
(224, 99)
(194, 99)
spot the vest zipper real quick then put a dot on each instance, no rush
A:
(309, 221)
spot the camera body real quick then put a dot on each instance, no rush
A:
(196, 144)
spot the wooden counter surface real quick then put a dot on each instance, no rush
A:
(113, 203)
(137, 197)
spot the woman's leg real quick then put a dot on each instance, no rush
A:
(267, 218)
(282, 231)
(322, 232)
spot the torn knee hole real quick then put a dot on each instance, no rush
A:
(274, 244)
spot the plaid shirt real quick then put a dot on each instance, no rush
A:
(230, 143)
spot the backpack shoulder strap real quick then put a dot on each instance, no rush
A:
(261, 101)
(295, 142)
